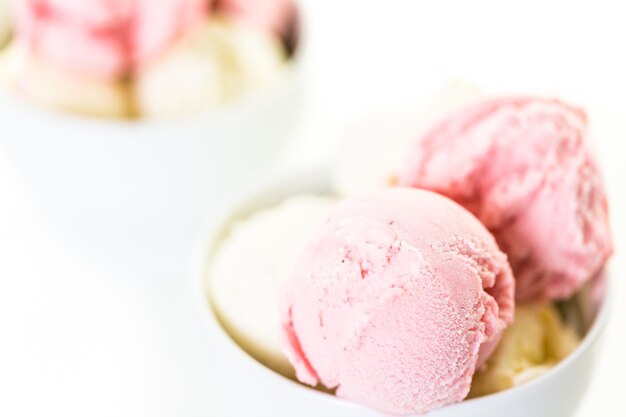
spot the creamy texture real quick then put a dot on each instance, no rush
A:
(522, 166)
(216, 62)
(46, 85)
(396, 301)
(251, 263)
(535, 342)
(275, 16)
(103, 38)
(144, 58)
(220, 60)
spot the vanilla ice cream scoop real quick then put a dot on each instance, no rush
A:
(535, 342)
(396, 301)
(253, 260)
(219, 61)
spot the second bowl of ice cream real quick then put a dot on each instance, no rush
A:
(133, 120)
(537, 361)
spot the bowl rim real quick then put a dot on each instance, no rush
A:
(291, 71)
(282, 182)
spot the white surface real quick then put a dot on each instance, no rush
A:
(82, 338)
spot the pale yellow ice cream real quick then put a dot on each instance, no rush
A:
(47, 85)
(252, 262)
(535, 342)
(220, 61)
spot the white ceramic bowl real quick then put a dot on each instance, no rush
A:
(250, 389)
(125, 186)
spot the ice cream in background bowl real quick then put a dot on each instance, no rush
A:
(146, 59)
(540, 365)
(219, 95)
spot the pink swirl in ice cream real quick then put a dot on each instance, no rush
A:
(397, 300)
(103, 38)
(522, 166)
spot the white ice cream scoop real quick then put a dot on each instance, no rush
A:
(254, 258)
(219, 62)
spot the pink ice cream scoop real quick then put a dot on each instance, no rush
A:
(522, 166)
(101, 38)
(397, 300)
(273, 15)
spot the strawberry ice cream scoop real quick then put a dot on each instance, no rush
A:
(100, 38)
(522, 166)
(398, 299)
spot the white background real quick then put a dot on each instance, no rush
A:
(79, 337)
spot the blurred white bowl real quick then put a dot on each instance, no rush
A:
(248, 388)
(126, 187)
